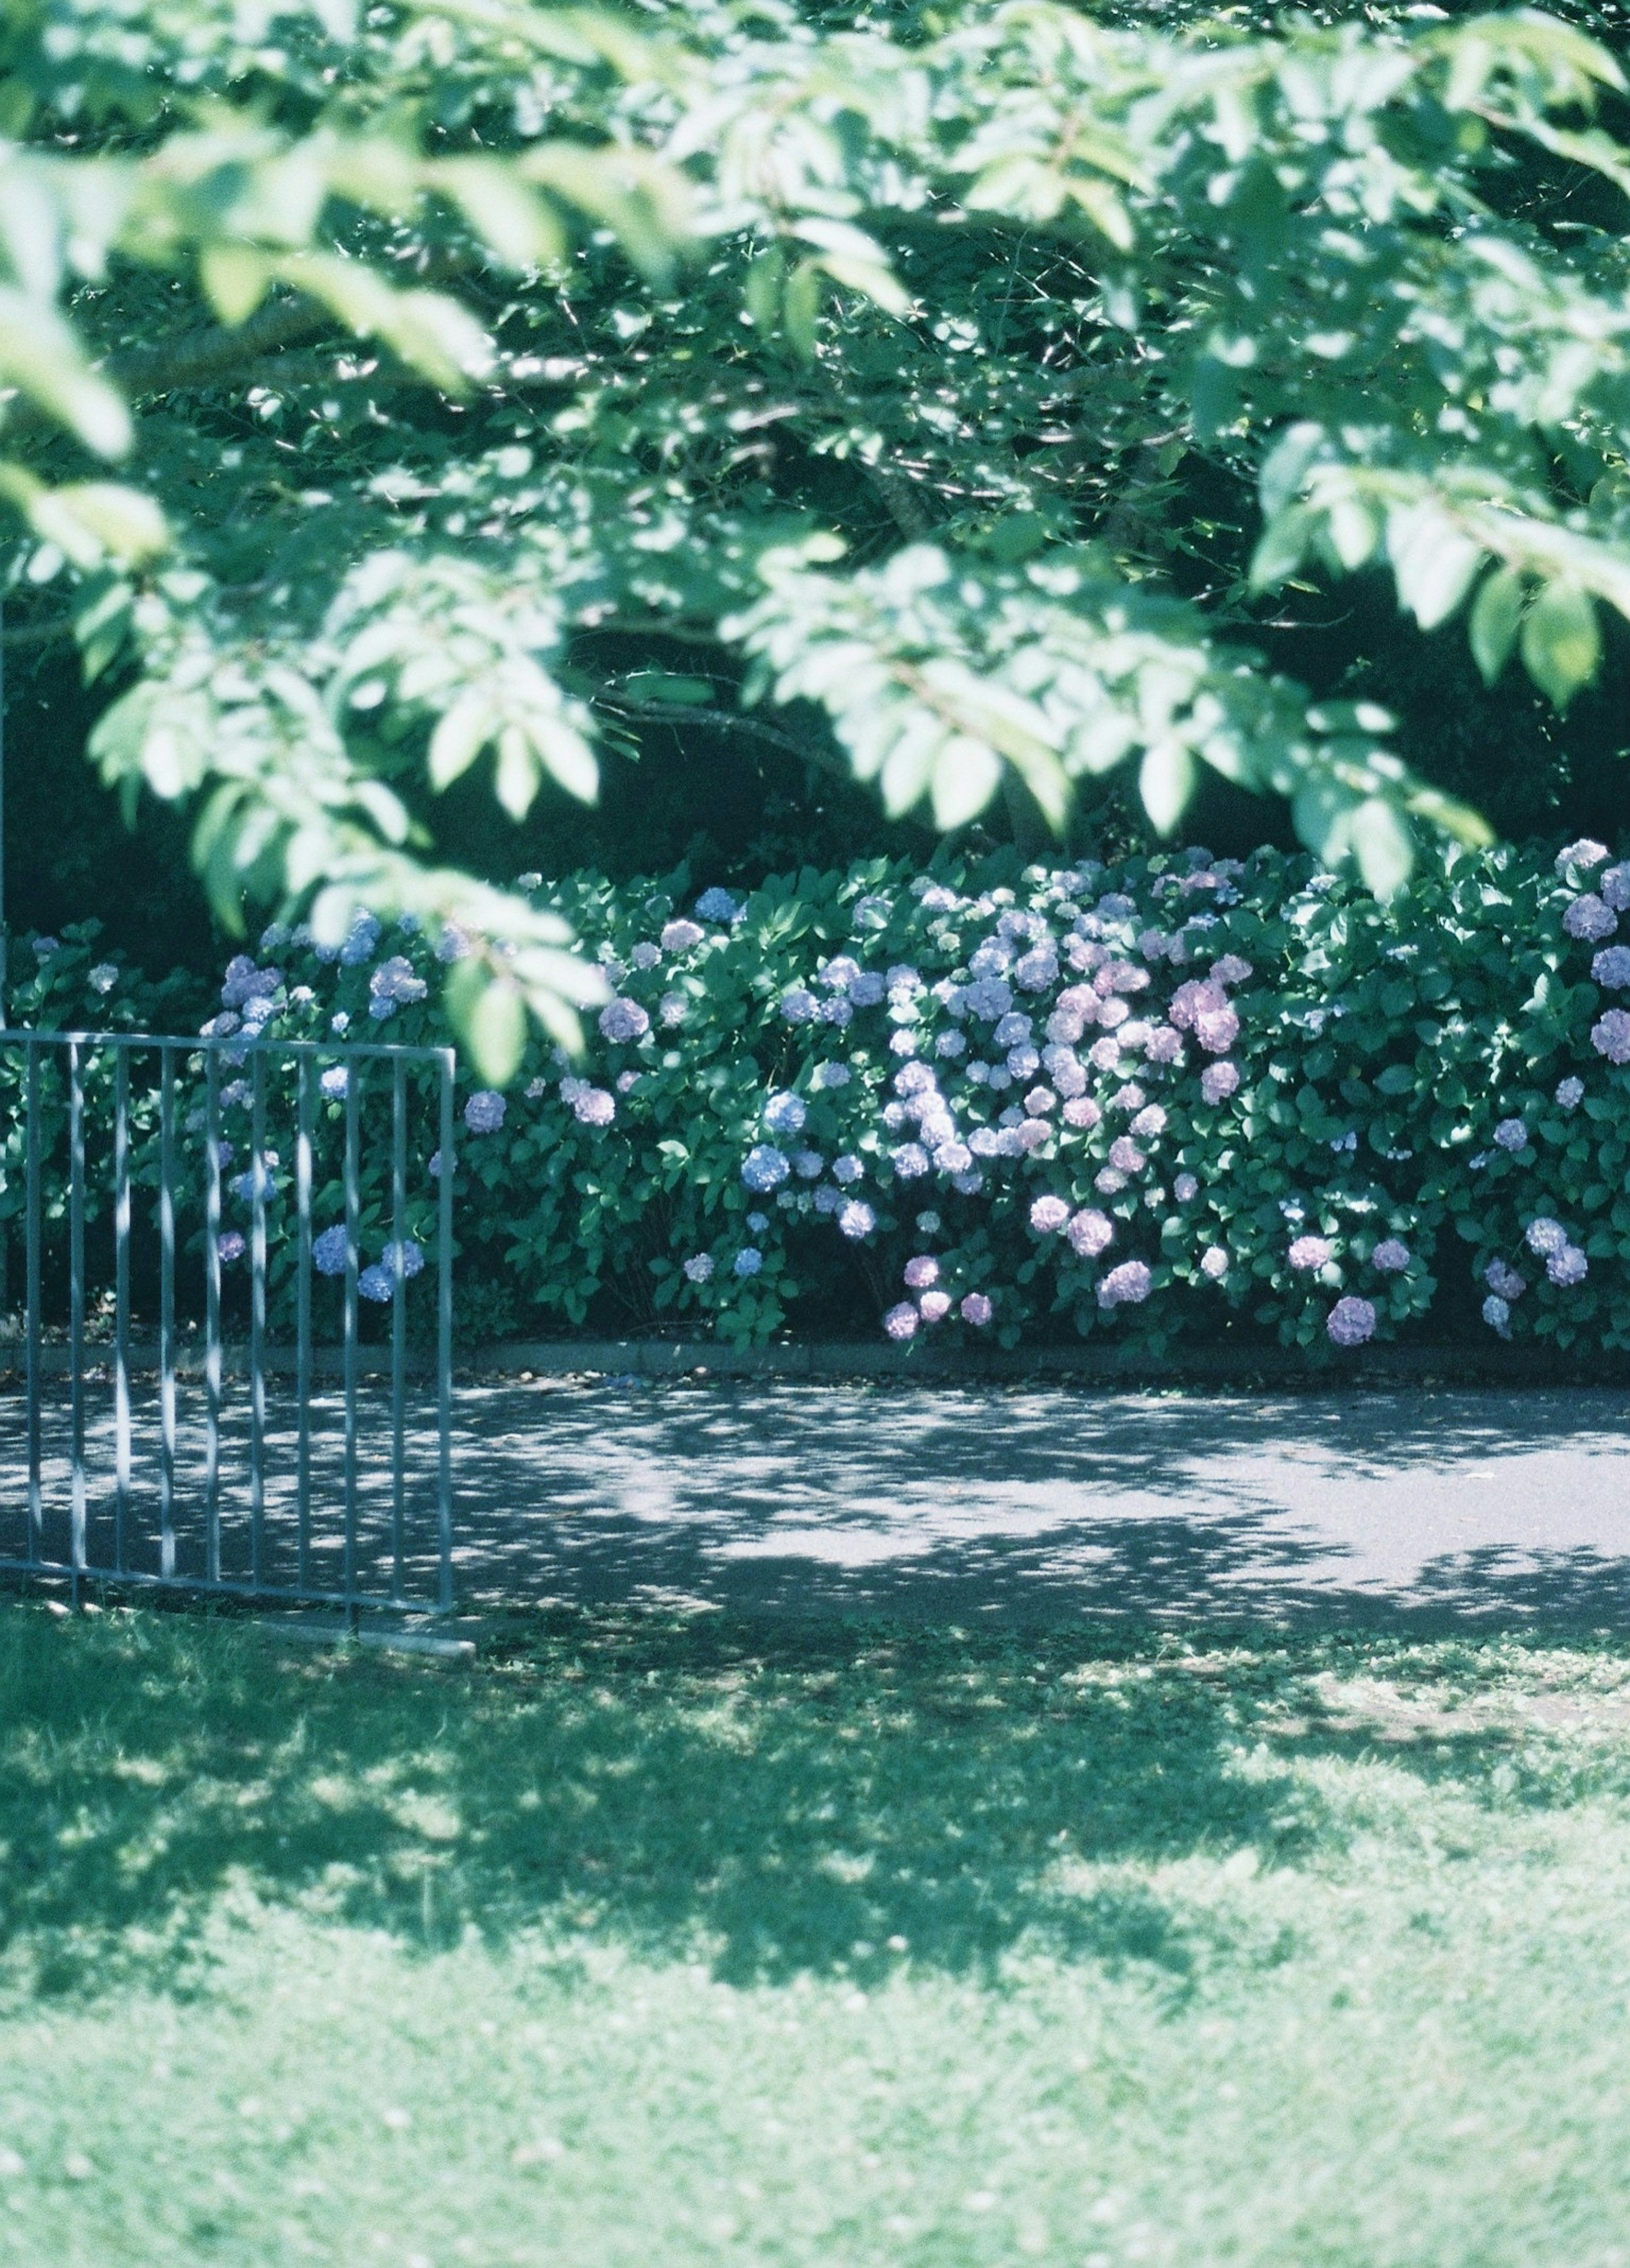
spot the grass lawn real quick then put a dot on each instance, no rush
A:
(656, 1941)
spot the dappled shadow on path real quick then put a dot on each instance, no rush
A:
(1050, 1504)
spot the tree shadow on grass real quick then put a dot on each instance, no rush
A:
(823, 1798)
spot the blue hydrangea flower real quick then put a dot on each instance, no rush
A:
(764, 1169)
(785, 1114)
(327, 1252)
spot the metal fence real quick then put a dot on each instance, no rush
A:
(136, 1460)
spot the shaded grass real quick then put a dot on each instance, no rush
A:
(662, 1940)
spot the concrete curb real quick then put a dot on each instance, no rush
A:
(1221, 1367)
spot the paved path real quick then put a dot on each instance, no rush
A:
(959, 1504)
(982, 1503)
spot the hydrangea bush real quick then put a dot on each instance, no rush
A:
(995, 1102)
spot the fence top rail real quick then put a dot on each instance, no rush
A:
(233, 1043)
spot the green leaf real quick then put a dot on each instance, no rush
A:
(800, 304)
(1166, 781)
(1495, 614)
(1562, 644)
(1383, 845)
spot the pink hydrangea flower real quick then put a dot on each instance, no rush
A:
(1048, 1215)
(901, 1322)
(1163, 1045)
(1200, 995)
(1186, 1188)
(1126, 1156)
(1230, 970)
(1090, 1232)
(1219, 1081)
(680, 936)
(921, 1273)
(1351, 1321)
(934, 1307)
(1310, 1252)
(1128, 1284)
(1080, 1110)
(1612, 1037)
(1584, 854)
(1216, 1029)
(975, 1309)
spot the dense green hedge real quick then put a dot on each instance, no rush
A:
(1247, 1100)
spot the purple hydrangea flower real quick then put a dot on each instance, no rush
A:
(1568, 1266)
(799, 1005)
(764, 1169)
(934, 1307)
(644, 955)
(1583, 854)
(699, 1268)
(901, 1322)
(1497, 1314)
(1082, 1111)
(620, 1020)
(594, 1107)
(1611, 1037)
(485, 1112)
(1615, 889)
(847, 1169)
(1612, 967)
(1504, 1281)
(1186, 1188)
(1511, 1134)
(1048, 1215)
(1214, 1263)
(680, 936)
(910, 1160)
(1128, 1284)
(1351, 1321)
(920, 1272)
(1311, 1252)
(975, 1309)
(1126, 1156)
(1570, 1094)
(231, 1246)
(1217, 1081)
(1588, 917)
(1390, 1255)
(1545, 1236)
(394, 982)
(856, 1219)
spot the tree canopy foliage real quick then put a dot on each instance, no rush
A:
(394, 393)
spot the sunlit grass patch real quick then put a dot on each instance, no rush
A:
(662, 1940)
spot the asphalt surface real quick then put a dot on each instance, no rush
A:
(946, 1504)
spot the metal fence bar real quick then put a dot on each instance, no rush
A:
(257, 1316)
(122, 1307)
(181, 1061)
(398, 1319)
(36, 1499)
(166, 1313)
(353, 1103)
(306, 1072)
(444, 1347)
(212, 1316)
(75, 1296)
